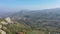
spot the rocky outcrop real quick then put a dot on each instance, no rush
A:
(8, 19)
(2, 32)
(0, 26)
(3, 22)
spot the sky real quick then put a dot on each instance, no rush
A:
(16, 5)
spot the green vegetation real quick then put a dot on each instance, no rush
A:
(33, 23)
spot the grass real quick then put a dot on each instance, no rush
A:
(36, 32)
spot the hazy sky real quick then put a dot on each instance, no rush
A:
(15, 5)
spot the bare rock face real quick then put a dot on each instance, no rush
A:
(2, 32)
(3, 22)
(0, 26)
(8, 19)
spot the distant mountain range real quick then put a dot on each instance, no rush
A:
(3, 13)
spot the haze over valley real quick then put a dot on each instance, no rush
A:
(29, 16)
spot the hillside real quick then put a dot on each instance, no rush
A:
(48, 19)
(32, 22)
(48, 15)
(9, 27)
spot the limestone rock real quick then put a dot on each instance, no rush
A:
(8, 19)
(3, 22)
(2, 32)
